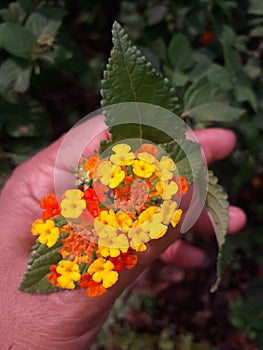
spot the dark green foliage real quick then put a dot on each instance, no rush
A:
(35, 278)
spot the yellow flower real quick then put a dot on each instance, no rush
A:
(103, 172)
(155, 227)
(105, 226)
(139, 248)
(120, 241)
(117, 177)
(168, 210)
(72, 206)
(169, 189)
(108, 218)
(69, 272)
(112, 244)
(122, 154)
(176, 217)
(142, 168)
(124, 220)
(139, 235)
(102, 272)
(47, 231)
(146, 215)
(147, 157)
(166, 165)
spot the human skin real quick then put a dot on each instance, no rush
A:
(69, 319)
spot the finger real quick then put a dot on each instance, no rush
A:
(237, 220)
(216, 143)
(34, 179)
(183, 255)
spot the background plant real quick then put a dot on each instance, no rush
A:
(52, 54)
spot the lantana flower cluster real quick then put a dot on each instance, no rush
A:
(122, 201)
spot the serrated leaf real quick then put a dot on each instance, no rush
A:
(17, 40)
(214, 111)
(223, 259)
(187, 156)
(14, 76)
(35, 278)
(130, 78)
(217, 208)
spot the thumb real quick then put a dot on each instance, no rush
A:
(67, 319)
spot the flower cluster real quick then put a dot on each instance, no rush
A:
(123, 200)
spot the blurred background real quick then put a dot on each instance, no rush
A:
(52, 57)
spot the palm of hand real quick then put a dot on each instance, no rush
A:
(63, 320)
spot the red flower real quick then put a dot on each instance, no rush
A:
(124, 259)
(93, 208)
(92, 200)
(51, 205)
(53, 277)
(90, 195)
(206, 38)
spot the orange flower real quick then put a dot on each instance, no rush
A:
(94, 289)
(147, 148)
(90, 165)
(49, 202)
(183, 184)
(76, 245)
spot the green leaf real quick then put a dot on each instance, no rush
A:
(232, 60)
(255, 7)
(177, 78)
(187, 156)
(256, 32)
(16, 39)
(180, 53)
(155, 14)
(203, 91)
(130, 78)
(217, 207)
(14, 13)
(218, 75)
(214, 111)
(45, 22)
(41, 258)
(228, 36)
(14, 76)
(243, 89)
(224, 257)
(26, 119)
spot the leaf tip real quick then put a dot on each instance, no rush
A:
(116, 26)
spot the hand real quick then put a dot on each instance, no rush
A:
(68, 319)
